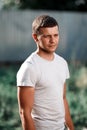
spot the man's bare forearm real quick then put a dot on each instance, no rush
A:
(27, 122)
(68, 119)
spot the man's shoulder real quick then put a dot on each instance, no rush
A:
(60, 58)
(29, 62)
(31, 58)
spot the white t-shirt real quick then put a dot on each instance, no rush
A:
(48, 78)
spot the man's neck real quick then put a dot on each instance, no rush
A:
(46, 55)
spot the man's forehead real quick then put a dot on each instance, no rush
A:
(49, 29)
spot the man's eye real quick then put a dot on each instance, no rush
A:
(46, 36)
(56, 35)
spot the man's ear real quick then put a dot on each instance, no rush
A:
(35, 37)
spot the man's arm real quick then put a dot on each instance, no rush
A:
(68, 119)
(25, 102)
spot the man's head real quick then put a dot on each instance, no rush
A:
(45, 32)
(43, 21)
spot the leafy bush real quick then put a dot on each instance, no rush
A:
(77, 96)
(9, 116)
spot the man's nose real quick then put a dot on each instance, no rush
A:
(52, 39)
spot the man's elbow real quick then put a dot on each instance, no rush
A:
(24, 114)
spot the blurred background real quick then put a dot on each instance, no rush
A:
(16, 44)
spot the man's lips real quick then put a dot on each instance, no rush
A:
(52, 45)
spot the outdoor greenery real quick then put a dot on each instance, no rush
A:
(76, 95)
(69, 5)
(9, 116)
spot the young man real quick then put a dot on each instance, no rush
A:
(41, 81)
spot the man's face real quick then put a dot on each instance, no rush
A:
(48, 39)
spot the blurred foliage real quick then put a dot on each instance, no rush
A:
(10, 4)
(76, 95)
(9, 116)
(69, 5)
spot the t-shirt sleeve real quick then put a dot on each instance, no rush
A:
(26, 75)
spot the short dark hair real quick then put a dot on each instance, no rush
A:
(43, 21)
